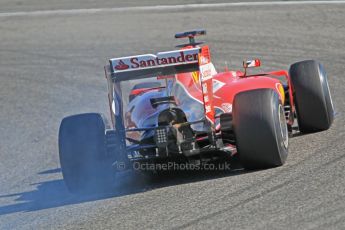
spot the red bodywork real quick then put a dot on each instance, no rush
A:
(234, 83)
(229, 83)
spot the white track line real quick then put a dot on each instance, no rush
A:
(166, 7)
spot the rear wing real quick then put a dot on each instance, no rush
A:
(149, 65)
(164, 63)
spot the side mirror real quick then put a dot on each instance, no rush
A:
(250, 64)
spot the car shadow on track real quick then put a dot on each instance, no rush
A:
(54, 193)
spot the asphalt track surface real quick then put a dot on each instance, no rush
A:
(51, 66)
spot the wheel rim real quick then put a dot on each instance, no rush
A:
(283, 127)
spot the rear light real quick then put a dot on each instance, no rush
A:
(161, 137)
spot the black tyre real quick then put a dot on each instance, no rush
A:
(312, 96)
(83, 156)
(260, 129)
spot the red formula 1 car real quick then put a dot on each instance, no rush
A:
(175, 106)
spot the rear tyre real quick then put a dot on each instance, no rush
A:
(312, 96)
(83, 157)
(260, 129)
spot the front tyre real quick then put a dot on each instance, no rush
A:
(260, 129)
(312, 96)
(83, 157)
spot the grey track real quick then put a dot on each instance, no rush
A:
(51, 67)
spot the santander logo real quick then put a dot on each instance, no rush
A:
(121, 66)
(176, 57)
